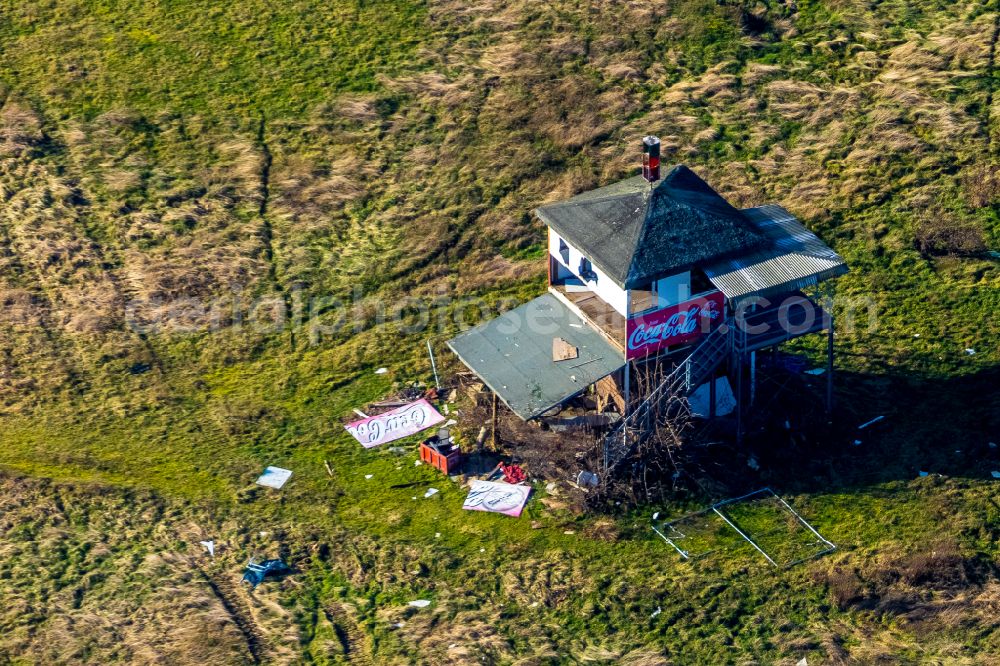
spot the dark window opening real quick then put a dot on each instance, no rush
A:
(700, 283)
(586, 270)
(564, 251)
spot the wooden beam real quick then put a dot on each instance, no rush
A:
(493, 423)
(628, 389)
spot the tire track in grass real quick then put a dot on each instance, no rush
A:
(240, 614)
(267, 231)
(352, 638)
(991, 75)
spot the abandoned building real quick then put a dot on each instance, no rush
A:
(654, 270)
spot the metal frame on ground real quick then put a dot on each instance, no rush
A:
(670, 526)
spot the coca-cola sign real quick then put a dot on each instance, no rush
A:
(674, 325)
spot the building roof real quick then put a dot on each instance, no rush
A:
(794, 258)
(636, 231)
(512, 354)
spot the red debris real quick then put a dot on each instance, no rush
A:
(513, 473)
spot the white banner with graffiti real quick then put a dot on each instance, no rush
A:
(497, 498)
(392, 425)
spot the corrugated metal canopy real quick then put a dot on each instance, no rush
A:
(796, 258)
(512, 354)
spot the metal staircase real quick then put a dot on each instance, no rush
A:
(669, 398)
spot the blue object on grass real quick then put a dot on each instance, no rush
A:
(256, 571)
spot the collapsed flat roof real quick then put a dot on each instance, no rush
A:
(512, 355)
(795, 258)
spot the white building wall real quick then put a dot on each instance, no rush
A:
(604, 287)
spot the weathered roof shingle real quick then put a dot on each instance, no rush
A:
(636, 231)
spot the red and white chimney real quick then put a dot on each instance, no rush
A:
(651, 158)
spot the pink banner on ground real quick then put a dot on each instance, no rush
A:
(497, 498)
(392, 425)
(674, 325)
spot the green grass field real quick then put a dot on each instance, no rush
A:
(164, 165)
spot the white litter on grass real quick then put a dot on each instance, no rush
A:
(802, 662)
(381, 371)
(360, 413)
(437, 535)
(368, 476)
(549, 487)
(656, 612)
(450, 422)
(916, 335)
(970, 351)
(534, 604)
(274, 477)
(399, 625)
(482, 550)
(209, 546)
(656, 515)
(431, 492)
(996, 474)
(420, 603)
(417, 463)
(569, 532)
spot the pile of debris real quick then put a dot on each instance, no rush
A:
(556, 447)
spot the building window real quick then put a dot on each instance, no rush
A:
(587, 271)
(700, 283)
(564, 251)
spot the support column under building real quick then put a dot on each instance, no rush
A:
(711, 397)
(829, 369)
(739, 399)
